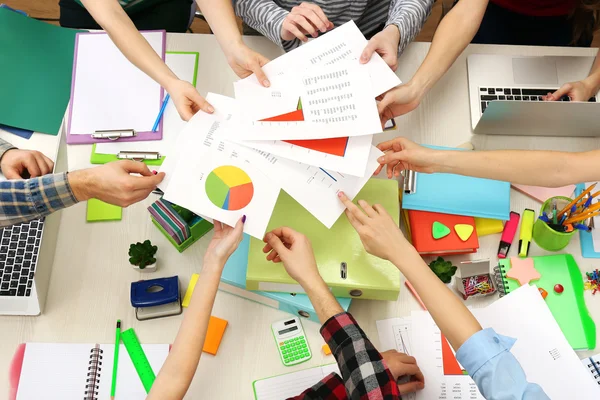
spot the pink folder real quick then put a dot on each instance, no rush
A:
(542, 194)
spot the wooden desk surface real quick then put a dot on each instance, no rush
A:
(89, 288)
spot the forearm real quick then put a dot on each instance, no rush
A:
(115, 21)
(449, 313)
(263, 15)
(452, 36)
(177, 373)
(593, 79)
(322, 300)
(527, 167)
(409, 16)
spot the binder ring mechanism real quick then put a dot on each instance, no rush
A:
(138, 155)
(409, 183)
(115, 134)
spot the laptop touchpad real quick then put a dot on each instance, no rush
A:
(535, 70)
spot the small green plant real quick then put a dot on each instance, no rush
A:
(142, 254)
(443, 269)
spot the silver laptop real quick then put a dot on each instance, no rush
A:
(505, 94)
(27, 255)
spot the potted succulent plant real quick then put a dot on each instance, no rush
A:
(141, 256)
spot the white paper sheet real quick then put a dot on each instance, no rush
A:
(184, 66)
(354, 161)
(109, 91)
(343, 43)
(292, 384)
(335, 103)
(314, 188)
(200, 158)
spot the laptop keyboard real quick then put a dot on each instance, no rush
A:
(515, 94)
(19, 248)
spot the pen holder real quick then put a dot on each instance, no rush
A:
(546, 237)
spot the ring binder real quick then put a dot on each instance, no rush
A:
(92, 383)
(114, 134)
(500, 281)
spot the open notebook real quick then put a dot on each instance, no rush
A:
(289, 385)
(593, 365)
(51, 369)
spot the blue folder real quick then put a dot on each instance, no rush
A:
(233, 281)
(585, 238)
(459, 195)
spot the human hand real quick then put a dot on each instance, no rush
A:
(24, 164)
(401, 365)
(294, 249)
(187, 100)
(576, 91)
(380, 235)
(403, 154)
(398, 101)
(305, 19)
(385, 43)
(244, 62)
(112, 182)
(224, 242)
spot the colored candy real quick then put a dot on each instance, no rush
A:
(593, 282)
(558, 288)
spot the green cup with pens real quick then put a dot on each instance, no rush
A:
(560, 217)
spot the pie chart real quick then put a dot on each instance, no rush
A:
(229, 188)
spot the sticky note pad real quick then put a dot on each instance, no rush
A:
(190, 290)
(487, 226)
(100, 211)
(326, 350)
(214, 334)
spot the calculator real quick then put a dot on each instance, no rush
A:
(291, 342)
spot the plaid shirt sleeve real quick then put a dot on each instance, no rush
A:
(26, 199)
(365, 375)
(4, 147)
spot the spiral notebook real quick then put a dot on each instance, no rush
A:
(593, 365)
(568, 307)
(82, 371)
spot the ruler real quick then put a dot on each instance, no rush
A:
(138, 358)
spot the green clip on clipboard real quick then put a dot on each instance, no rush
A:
(99, 158)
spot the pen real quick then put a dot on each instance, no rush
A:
(554, 220)
(582, 227)
(161, 112)
(115, 360)
(526, 232)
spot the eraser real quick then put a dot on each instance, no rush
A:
(326, 350)
(214, 334)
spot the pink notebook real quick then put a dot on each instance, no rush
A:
(542, 194)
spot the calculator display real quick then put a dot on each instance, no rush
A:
(293, 328)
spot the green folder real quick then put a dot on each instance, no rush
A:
(568, 307)
(99, 158)
(36, 67)
(98, 210)
(341, 258)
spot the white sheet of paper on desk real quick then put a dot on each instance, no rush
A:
(314, 188)
(345, 43)
(292, 384)
(114, 93)
(184, 66)
(213, 178)
(335, 102)
(353, 162)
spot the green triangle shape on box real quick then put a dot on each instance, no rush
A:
(439, 230)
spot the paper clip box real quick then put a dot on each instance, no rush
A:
(233, 281)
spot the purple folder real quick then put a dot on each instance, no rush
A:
(87, 139)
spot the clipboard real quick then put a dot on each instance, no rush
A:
(585, 238)
(103, 158)
(124, 133)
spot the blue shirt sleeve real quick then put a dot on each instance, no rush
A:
(487, 358)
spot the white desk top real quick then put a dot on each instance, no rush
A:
(89, 288)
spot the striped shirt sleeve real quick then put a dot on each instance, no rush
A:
(23, 200)
(263, 15)
(409, 16)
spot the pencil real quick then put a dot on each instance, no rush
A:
(414, 292)
(582, 217)
(113, 387)
(161, 112)
(586, 191)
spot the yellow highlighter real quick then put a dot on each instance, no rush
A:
(526, 231)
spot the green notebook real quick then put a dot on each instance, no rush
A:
(36, 66)
(568, 307)
(342, 260)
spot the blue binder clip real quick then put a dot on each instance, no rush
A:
(156, 298)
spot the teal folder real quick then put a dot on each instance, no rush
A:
(585, 238)
(459, 195)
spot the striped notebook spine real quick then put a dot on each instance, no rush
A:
(92, 382)
(500, 280)
(594, 367)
